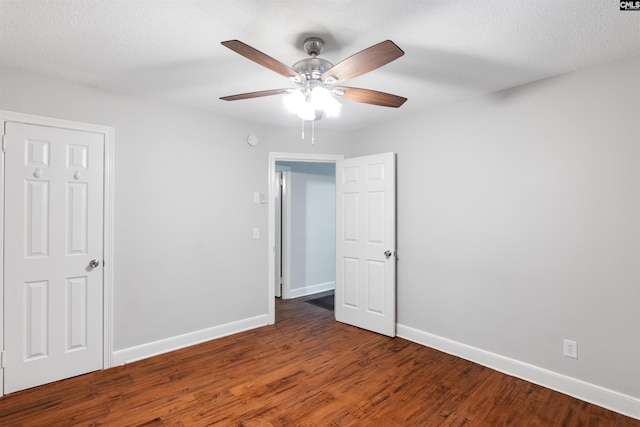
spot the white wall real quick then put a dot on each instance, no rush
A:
(183, 208)
(313, 227)
(518, 223)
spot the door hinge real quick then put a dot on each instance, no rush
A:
(4, 143)
(2, 359)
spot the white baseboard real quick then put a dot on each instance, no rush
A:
(143, 351)
(615, 401)
(310, 290)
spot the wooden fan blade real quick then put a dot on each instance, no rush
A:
(262, 59)
(362, 62)
(368, 96)
(258, 94)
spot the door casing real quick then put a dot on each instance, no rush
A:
(108, 132)
(271, 238)
(283, 242)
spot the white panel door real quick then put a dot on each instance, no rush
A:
(54, 184)
(365, 293)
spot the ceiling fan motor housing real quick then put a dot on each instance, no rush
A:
(312, 68)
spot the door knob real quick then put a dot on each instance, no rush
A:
(94, 263)
(387, 254)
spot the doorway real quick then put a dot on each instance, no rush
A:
(301, 281)
(306, 253)
(365, 212)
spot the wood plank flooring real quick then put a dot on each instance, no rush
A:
(307, 370)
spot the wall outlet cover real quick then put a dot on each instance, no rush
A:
(570, 349)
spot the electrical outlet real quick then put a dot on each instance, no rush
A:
(256, 233)
(570, 349)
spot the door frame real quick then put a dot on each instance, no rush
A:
(273, 158)
(285, 231)
(107, 297)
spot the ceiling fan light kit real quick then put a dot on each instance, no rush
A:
(315, 95)
(306, 104)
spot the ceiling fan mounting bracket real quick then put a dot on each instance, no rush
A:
(313, 46)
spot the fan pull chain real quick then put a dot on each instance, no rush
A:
(313, 131)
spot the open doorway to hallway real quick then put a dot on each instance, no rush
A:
(305, 232)
(302, 228)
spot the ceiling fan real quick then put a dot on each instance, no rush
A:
(319, 81)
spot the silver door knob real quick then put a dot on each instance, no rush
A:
(94, 263)
(387, 254)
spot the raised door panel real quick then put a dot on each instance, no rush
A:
(36, 234)
(375, 218)
(351, 280)
(375, 287)
(36, 320)
(77, 216)
(76, 313)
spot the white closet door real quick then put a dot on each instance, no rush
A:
(54, 185)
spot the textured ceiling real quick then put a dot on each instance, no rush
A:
(170, 50)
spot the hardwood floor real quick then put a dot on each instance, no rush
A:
(307, 370)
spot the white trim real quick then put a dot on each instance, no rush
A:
(273, 158)
(2, 259)
(155, 348)
(108, 132)
(312, 289)
(610, 399)
(285, 240)
(108, 247)
(286, 234)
